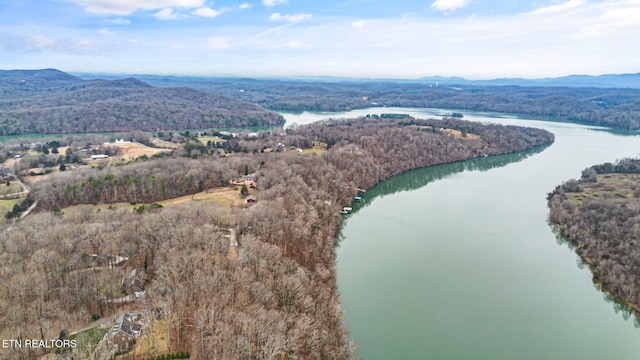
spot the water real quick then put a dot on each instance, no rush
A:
(458, 261)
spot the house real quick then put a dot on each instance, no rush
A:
(121, 336)
(133, 282)
(99, 156)
(250, 178)
(251, 199)
(110, 261)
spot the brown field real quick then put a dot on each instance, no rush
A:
(227, 196)
(153, 340)
(132, 151)
(313, 151)
(164, 144)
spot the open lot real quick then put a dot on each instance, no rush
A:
(608, 186)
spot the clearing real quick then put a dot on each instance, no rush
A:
(609, 186)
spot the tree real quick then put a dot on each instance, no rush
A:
(244, 190)
(55, 210)
(63, 167)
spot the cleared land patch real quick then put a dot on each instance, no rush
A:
(609, 186)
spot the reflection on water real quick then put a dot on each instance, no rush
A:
(417, 178)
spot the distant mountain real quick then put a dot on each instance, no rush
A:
(51, 101)
(631, 81)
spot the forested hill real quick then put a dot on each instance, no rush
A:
(51, 101)
(599, 215)
(612, 107)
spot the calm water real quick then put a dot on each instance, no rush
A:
(458, 261)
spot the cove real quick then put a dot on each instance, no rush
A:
(458, 261)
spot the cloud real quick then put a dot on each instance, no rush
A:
(127, 7)
(119, 21)
(105, 31)
(206, 12)
(449, 5)
(39, 42)
(178, 46)
(359, 24)
(274, 2)
(217, 43)
(245, 6)
(289, 18)
(296, 44)
(559, 8)
(614, 15)
(166, 14)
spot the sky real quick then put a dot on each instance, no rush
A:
(403, 39)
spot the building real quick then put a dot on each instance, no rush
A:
(251, 178)
(121, 336)
(133, 282)
(99, 156)
(251, 199)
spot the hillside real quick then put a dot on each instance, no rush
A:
(50, 101)
(557, 99)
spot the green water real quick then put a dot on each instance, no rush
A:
(458, 261)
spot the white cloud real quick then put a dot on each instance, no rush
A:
(553, 9)
(178, 46)
(289, 18)
(127, 7)
(449, 5)
(119, 21)
(296, 44)
(274, 2)
(359, 24)
(105, 31)
(245, 6)
(614, 15)
(40, 42)
(217, 43)
(206, 12)
(166, 14)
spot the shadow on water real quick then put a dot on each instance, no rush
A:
(417, 178)
(618, 307)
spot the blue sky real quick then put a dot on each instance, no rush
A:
(475, 39)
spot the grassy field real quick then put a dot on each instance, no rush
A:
(13, 187)
(132, 151)
(227, 196)
(313, 151)
(213, 139)
(608, 186)
(89, 339)
(153, 339)
(7, 205)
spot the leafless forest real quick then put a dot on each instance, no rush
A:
(598, 215)
(275, 298)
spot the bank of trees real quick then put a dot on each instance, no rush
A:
(602, 226)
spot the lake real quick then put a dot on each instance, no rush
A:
(458, 261)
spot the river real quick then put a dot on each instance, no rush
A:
(458, 261)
